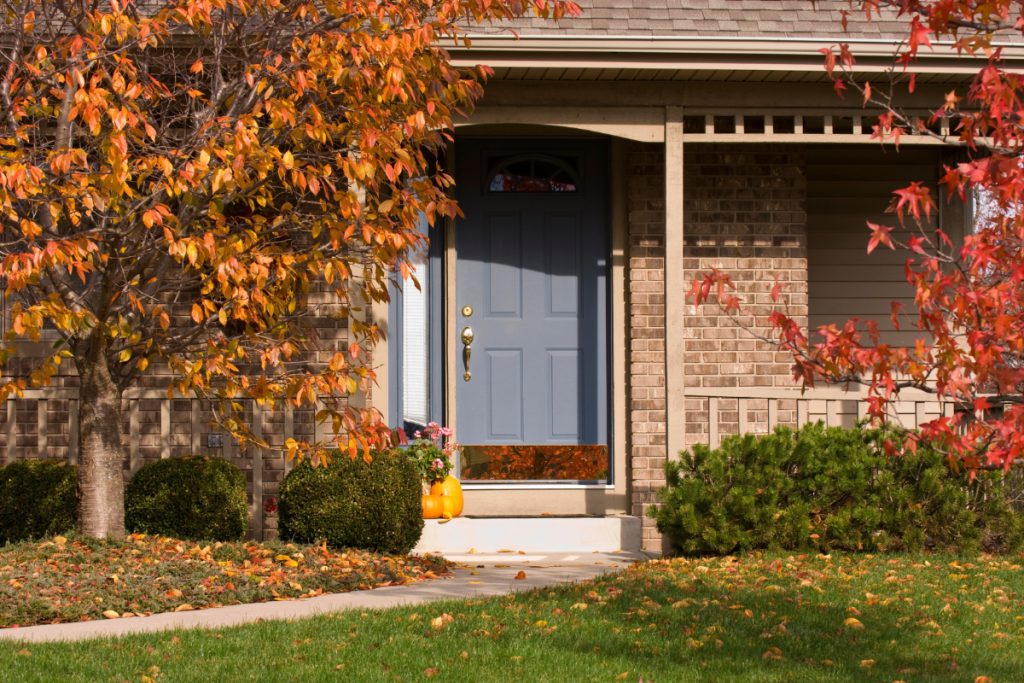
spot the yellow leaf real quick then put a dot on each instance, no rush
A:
(60, 540)
(111, 614)
(185, 607)
(853, 622)
(867, 663)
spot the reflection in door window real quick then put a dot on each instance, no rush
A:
(533, 174)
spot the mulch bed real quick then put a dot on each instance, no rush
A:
(77, 579)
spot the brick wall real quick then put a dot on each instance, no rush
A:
(37, 428)
(743, 213)
(646, 307)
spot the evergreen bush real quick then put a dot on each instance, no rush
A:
(832, 489)
(195, 497)
(354, 504)
(37, 498)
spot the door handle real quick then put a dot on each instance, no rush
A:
(467, 351)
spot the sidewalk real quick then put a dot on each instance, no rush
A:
(477, 576)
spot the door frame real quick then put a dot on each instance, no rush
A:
(615, 210)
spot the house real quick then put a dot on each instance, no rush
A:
(615, 157)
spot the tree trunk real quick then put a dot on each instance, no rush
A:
(101, 456)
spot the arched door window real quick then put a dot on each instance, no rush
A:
(525, 173)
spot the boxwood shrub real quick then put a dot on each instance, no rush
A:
(37, 498)
(194, 497)
(354, 504)
(832, 488)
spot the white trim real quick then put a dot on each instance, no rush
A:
(511, 486)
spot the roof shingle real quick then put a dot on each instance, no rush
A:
(713, 19)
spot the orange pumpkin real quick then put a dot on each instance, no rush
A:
(432, 506)
(450, 488)
(448, 507)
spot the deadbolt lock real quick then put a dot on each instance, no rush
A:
(467, 311)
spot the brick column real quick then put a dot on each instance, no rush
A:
(646, 311)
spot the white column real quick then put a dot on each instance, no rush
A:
(675, 285)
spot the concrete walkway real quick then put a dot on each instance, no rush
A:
(477, 576)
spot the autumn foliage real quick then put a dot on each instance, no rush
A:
(66, 579)
(181, 179)
(969, 292)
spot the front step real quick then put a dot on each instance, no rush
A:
(533, 534)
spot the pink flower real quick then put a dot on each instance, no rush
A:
(437, 464)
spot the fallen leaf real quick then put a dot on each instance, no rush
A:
(184, 607)
(854, 623)
(431, 672)
(111, 614)
(441, 621)
(520, 575)
(867, 663)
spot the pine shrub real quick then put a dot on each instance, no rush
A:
(832, 489)
(354, 504)
(195, 497)
(37, 498)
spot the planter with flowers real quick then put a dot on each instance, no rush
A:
(431, 450)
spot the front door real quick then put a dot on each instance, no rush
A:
(531, 309)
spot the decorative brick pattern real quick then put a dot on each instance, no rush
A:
(744, 214)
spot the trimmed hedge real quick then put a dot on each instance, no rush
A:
(832, 489)
(194, 497)
(354, 504)
(37, 498)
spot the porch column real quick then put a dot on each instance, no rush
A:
(675, 284)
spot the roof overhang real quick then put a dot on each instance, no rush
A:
(656, 53)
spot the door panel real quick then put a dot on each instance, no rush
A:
(532, 266)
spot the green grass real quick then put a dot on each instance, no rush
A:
(759, 617)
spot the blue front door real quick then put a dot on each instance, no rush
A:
(531, 310)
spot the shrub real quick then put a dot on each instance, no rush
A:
(354, 504)
(37, 498)
(831, 489)
(193, 497)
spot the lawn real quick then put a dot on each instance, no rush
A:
(752, 618)
(78, 579)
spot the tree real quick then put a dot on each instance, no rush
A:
(177, 177)
(969, 295)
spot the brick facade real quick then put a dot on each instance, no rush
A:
(43, 428)
(744, 212)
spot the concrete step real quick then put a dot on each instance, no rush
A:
(531, 534)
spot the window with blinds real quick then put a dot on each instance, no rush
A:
(416, 346)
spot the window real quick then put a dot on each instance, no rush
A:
(414, 355)
(415, 346)
(533, 174)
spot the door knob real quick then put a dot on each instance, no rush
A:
(467, 351)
